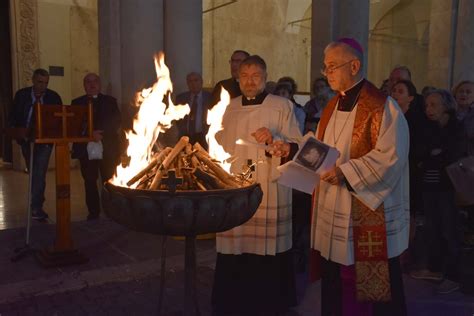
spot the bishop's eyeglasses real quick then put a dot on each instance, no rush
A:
(329, 70)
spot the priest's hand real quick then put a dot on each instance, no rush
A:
(334, 176)
(280, 149)
(263, 136)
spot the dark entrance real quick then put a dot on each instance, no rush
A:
(5, 79)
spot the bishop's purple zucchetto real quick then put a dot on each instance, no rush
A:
(352, 43)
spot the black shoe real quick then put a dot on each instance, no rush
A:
(39, 215)
(92, 217)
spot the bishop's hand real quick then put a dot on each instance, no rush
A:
(334, 176)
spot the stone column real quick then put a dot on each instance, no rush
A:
(109, 48)
(141, 37)
(25, 55)
(24, 36)
(464, 45)
(183, 39)
(332, 19)
(130, 34)
(439, 48)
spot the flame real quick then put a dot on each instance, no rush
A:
(214, 119)
(152, 118)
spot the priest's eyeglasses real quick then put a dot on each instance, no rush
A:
(329, 70)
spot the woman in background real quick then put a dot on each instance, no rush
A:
(443, 143)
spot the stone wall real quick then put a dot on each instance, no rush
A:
(68, 37)
(260, 27)
(401, 37)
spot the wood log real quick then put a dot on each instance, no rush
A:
(187, 181)
(144, 182)
(220, 173)
(201, 186)
(198, 147)
(180, 145)
(193, 159)
(179, 165)
(209, 180)
(155, 161)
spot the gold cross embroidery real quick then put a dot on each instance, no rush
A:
(371, 244)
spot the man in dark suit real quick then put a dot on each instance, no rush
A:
(194, 125)
(232, 84)
(22, 116)
(107, 123)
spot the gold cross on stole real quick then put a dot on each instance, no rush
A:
(371, 244)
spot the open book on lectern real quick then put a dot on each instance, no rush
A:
(312, 159)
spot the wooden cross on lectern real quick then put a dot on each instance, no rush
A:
(61, 125)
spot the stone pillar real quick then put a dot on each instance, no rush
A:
(332, 19)
(130, 34)
(439, 48)
(25, 55)
(109, 48)
(464, 45)
(141, 37)
(182, 39)
(24, 36)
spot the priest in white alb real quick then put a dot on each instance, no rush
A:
(254, 267)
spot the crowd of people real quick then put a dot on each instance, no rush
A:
(358, 230)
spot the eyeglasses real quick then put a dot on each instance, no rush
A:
(329, 70)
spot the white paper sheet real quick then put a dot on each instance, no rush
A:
(312, 159)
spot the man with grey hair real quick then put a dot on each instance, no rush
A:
(107, 124)
(22, 115)
(361, 207)
(254, 267)
(398, 73)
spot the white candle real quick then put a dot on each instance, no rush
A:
(242, 142)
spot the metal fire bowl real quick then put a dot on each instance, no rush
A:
(182, 213)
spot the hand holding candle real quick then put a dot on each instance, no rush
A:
(263, 136)
(243, 142)
(278, 148)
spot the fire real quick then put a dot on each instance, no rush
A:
(214, 119)
(153, 117)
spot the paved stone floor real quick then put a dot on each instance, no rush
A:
(123, 273)
(14, 197)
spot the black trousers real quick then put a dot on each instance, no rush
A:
(331, 291)
(250, 284)
(301, 228)
(90, 170)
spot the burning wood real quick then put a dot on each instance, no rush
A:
(191, 164)
(219, 172)
(163, 168)
(155, 161)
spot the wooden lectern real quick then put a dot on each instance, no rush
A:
(61, 125)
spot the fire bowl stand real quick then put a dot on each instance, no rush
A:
(191, 304)
(181, 213)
